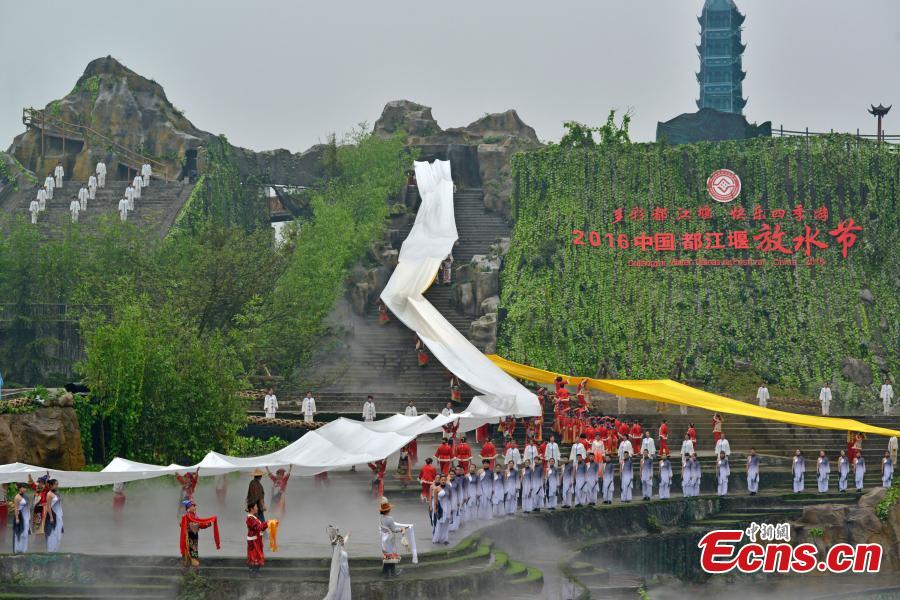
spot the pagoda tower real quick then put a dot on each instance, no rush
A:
(720, 50)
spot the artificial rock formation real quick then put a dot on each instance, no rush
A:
(48, 437)
(134, 112)
(479, 153)
(828, 524)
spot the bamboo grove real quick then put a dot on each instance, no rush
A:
(582, 309)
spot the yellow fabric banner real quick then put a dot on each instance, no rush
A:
(672, 392)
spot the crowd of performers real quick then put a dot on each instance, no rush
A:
(54, 182)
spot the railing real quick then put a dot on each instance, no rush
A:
(39, 119)
(64, 313)
(782, 132)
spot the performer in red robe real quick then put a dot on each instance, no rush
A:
(463, 454)
(489, 452)
(717, 421)
(539, 428)
(255, 529)
(421, 352)
(636, 435)
(189, 541)
(583, 395)
(321, 479)
(379, 467)
(692, 433)
(413, 448)
(426, 477)
(624, 430)
(444, 456)
(382, 313)
(664, 439)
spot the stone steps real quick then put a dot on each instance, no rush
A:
(156, 209)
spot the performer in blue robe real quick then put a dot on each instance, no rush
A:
(859, 472)
(843, 471)
(665, 477)
(537, 486)
(646, 476)
(686, 475)
(552, 484)
(627, 477)
(568, 483)
(21, 519)
(498, 497)
(723, 472)
(580, 481)
(753, 472)
(609, 479)
(798, 471)
(823, 470)
(511, 486)
(887, 470)
(591, 484)
(527, 497)
(486, 492)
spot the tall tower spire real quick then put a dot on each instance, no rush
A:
(720, 50)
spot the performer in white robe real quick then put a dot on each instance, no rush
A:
(74, 209)
(511, 488)
(513, 456)
(627, 477)
(137, 184)
(129, 195)
(21, 518)
(665, 478)
(270, 404)
(498, 496)
(58, 174)
(368, 411)
(410, 410)
(53, 517)
(723, 446)
(34, 208)
(887, 395)
(825, 399)
(83, 195)
(823, 470)
(552, 484)
(843, 471)
(798, 469)
(859, 472)
(123, 210)
(551, 452)
(762, 395)
(101, 174)
(609, 479)
(646, 467)
(887, 470)
(92, 187)
(687, 446)
(753, 472)
(625, 447)
(648, 444)
(568, 484)
(42, 198)
(339, 575)
(723, 471)
(308, 407)
(49, 183)
(146, 172)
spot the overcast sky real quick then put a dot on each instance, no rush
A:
(283, 74)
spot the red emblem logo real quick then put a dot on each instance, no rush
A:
(723, 185)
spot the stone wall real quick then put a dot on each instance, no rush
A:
(48, 437)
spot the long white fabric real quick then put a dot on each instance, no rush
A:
(339, 444)
(429, 242)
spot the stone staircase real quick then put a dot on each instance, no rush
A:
(380, 359)
(156, 209)
(472, 564)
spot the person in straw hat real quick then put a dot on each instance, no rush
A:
(256, 495)
(390, 546)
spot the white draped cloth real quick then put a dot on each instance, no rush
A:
(429, 242)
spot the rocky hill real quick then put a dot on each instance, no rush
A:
(118, 115)
(479, 152)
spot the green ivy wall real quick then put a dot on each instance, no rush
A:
(583, 310)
